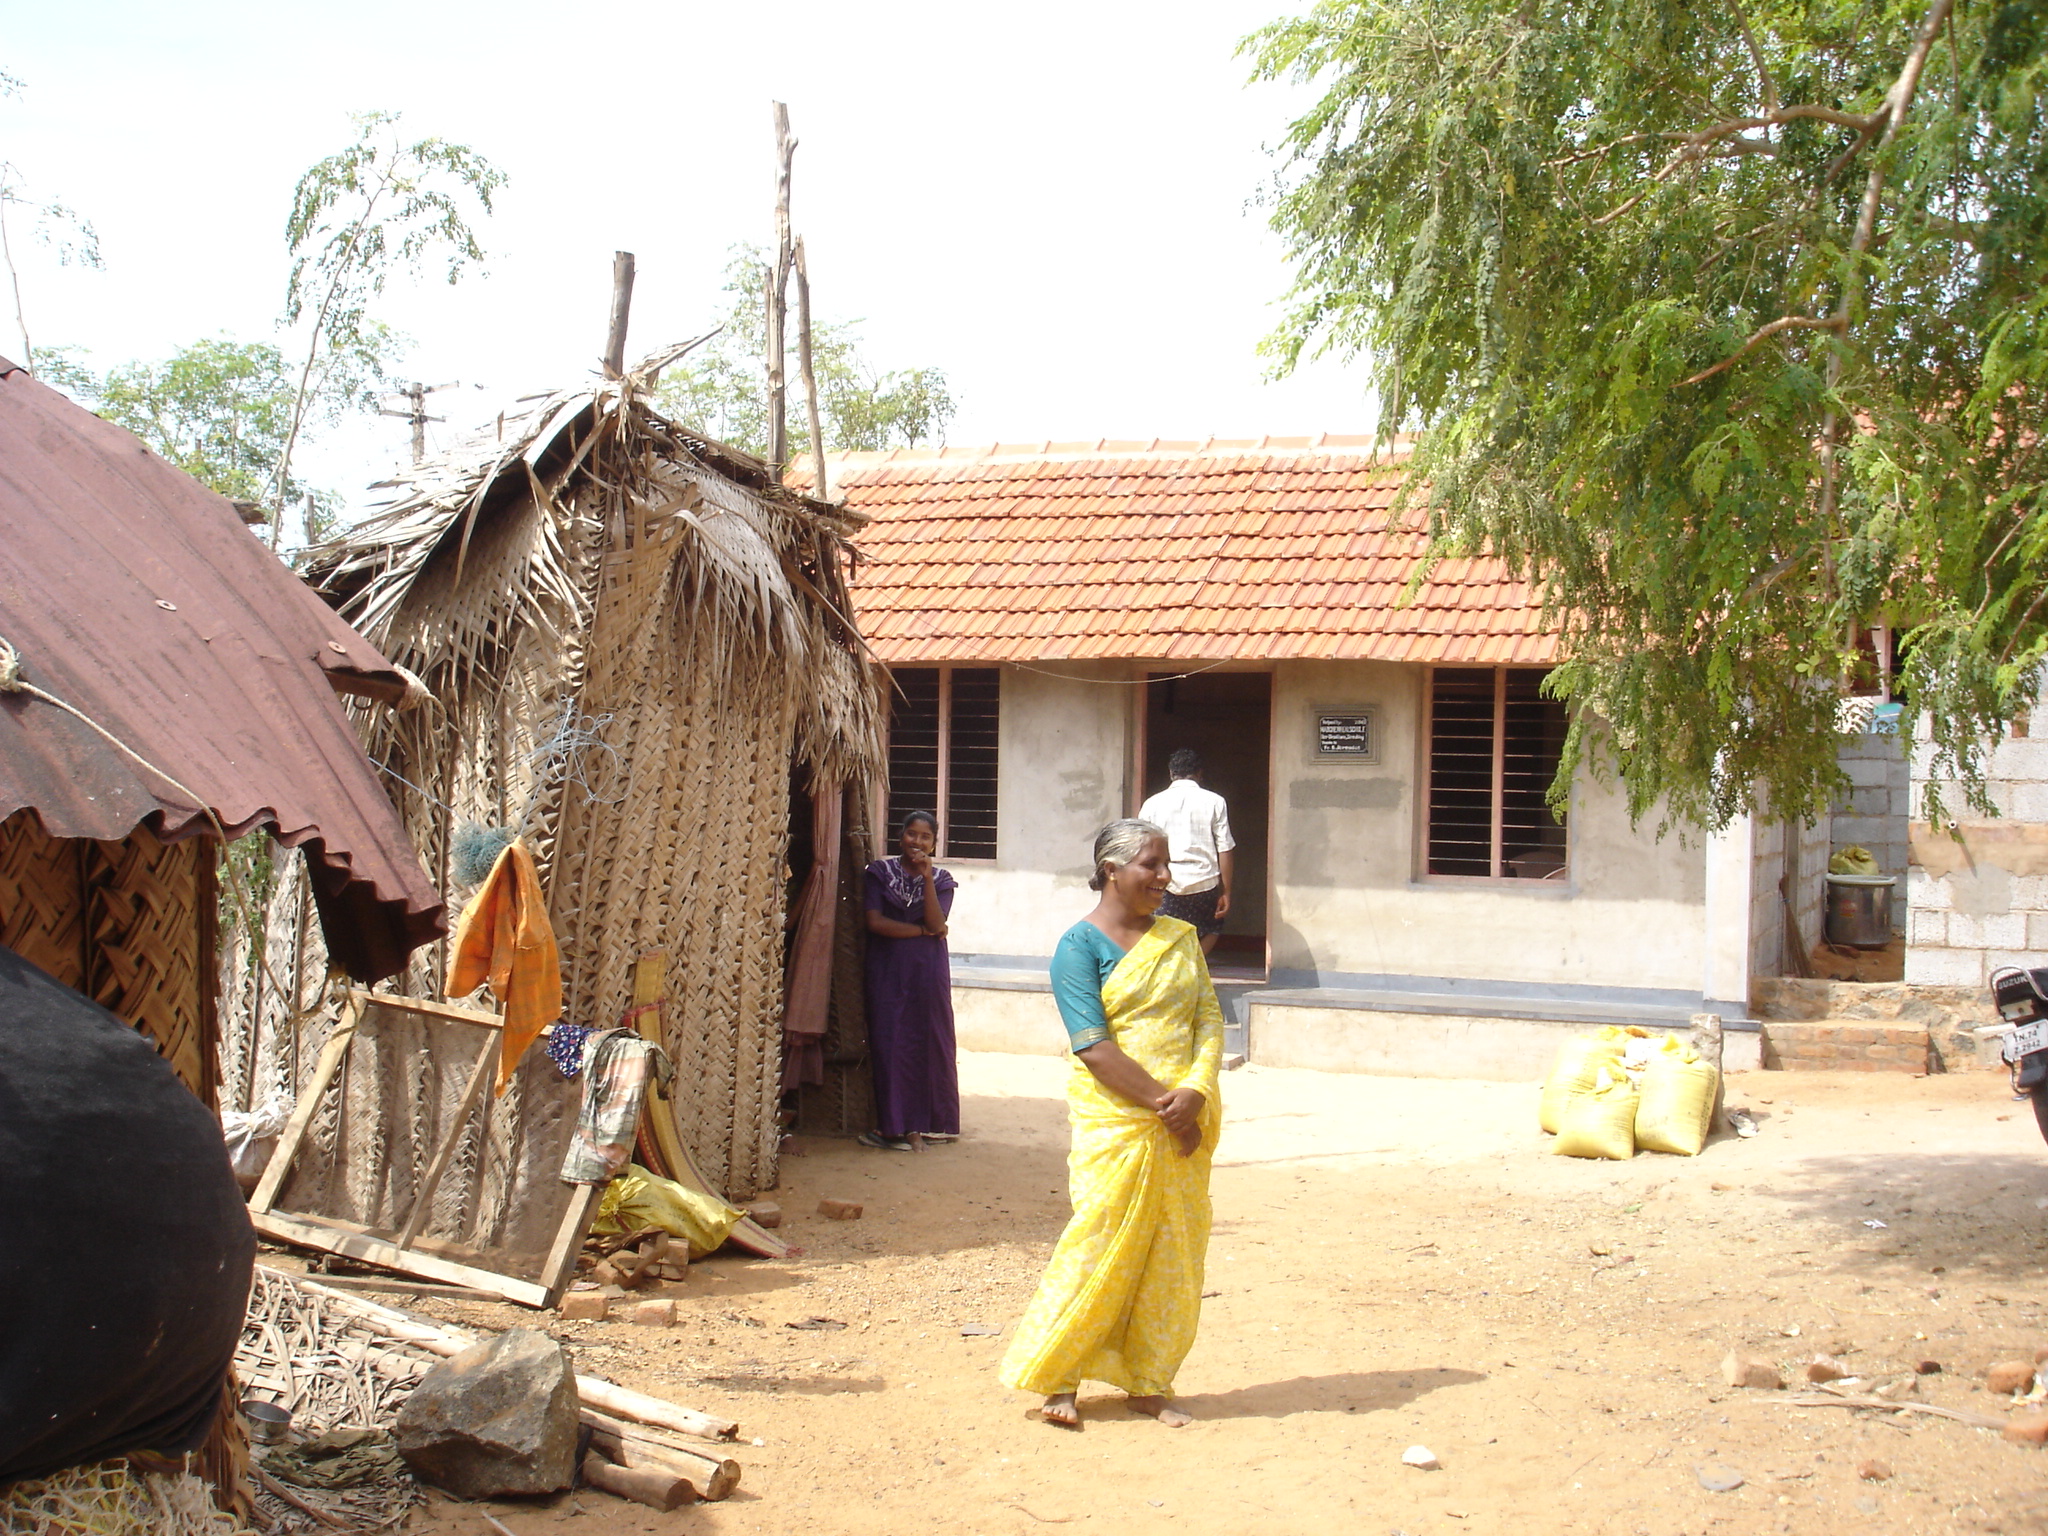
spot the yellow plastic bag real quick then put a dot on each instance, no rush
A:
(1676, 1108)
(1579, 1061)
(1601, 1123)
(637, 1198)
(1853, 860)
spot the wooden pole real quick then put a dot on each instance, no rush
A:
(630, 1445)
(622, 308)
(472, 1093)
(657, 1490)
(821, 483)
(778, 298)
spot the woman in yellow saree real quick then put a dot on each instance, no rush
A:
(1121, 1297)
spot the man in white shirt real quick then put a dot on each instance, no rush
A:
(1198, 841)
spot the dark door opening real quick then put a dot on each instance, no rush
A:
(1227, 717)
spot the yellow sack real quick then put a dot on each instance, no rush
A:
(637, 1198)
(1579, 1061)
(1676, 1108)
(1601, 1123)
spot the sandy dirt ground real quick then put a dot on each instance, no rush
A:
(1395, 1262)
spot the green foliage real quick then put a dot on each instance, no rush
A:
(379, 207)
(62, 230)
(217, 409)
(1724, 326)
(722, 387)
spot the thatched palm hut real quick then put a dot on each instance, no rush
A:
(639, 653)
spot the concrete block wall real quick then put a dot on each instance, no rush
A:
(1968, 916)
(1766, 906)
(1873, 812)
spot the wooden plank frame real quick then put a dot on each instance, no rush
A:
(329, 1235)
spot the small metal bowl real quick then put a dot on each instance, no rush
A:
(268, 1423)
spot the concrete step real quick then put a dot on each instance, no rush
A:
(1845, 1045)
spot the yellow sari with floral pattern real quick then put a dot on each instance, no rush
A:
(1120, 1300)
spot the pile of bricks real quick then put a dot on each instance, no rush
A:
(1844, 1045)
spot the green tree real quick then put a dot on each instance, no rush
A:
(218, 409)
(378, 207)
(1726, 324)
(722, 387)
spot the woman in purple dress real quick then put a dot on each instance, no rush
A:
(910, 994)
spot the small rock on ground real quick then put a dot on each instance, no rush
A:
(1747, 1368)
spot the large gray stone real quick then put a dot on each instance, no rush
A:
(499, 1418)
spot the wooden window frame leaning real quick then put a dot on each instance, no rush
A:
(329, 1235)
(1496, 794)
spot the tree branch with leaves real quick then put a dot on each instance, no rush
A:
(1724, 325)
(381, 206)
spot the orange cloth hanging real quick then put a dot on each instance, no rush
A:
(504, 938)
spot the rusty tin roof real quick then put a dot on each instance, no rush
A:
(138, 596)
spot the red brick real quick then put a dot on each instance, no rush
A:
(585, 1306)
(2009, 1376)
(840, 1210)
(2028, 1429)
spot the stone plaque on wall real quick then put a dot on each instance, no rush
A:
(1348, 733)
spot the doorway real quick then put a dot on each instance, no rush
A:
(1228, 718)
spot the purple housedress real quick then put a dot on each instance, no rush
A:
(910, 1010)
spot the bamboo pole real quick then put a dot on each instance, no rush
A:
(622, 309)
(778, 300)
(633, 1445)
(657, 1490)
(821, 484)
(620, 1402)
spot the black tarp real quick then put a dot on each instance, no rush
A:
(125, 1248)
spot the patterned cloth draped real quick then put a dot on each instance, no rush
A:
(1120, 1300)
(617, 1066)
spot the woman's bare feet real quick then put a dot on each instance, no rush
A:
(1156, 1407)
(1059, 1410)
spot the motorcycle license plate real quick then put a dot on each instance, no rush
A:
(2026, 1039)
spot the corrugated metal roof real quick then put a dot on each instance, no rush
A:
(1245, 550)
(138, 596)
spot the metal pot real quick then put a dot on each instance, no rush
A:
(1860, 910)
(268, 1423)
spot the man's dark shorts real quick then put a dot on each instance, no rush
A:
(1197, 907)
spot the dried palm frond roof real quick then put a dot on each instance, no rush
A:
(767, 561)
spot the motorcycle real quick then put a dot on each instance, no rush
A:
(2022, 1000)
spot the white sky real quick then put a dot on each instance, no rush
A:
(1051, 203)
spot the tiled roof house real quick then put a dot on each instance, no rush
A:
(1060, 617)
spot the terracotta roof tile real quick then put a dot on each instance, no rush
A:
(1170, 551)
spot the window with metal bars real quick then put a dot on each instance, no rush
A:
(1494, 745)
(943, 728)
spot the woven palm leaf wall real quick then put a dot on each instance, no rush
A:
(129, 924)
(625, 651)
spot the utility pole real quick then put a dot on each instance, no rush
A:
(415, 396)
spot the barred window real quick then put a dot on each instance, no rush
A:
(1494, 746)
(943, 729)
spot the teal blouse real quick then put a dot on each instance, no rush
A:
(1081, 963)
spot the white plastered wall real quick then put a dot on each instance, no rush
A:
(1348, 899)
(1063, 757)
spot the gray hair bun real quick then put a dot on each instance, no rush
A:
(1119, 843)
